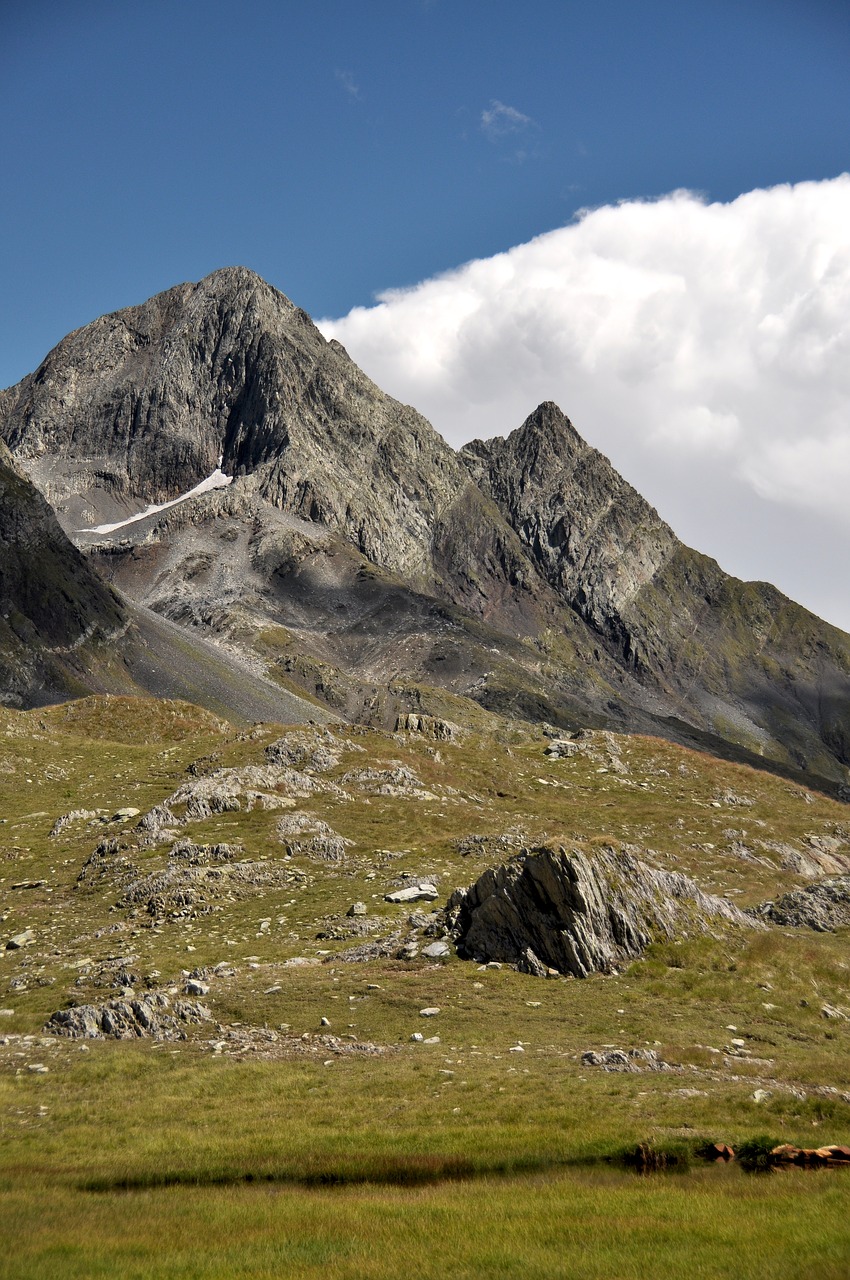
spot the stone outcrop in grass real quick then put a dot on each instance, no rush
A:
(152, 1017)
(824, 906)
(558, 908)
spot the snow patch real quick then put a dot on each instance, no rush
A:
(218, 480)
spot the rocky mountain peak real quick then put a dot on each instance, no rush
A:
(524, 573)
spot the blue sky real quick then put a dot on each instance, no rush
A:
(344, 147)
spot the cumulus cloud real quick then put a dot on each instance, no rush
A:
(704, 347)
(500, 121)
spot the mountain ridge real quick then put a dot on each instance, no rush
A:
(592, 609)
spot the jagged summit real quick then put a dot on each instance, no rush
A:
(523, 574)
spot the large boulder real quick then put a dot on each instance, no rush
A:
(558, 908)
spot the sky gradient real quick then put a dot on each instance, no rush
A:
(345, 149)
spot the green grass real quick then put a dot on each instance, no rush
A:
(228, 1148)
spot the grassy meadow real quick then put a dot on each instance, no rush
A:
(269, 1142)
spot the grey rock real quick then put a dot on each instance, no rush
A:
(413, 893)
(436, 950)
(553, 908)
(357, 909)
(75, 815)
(632, 1060)
(428, 727)
(823, 906)
(22, 939)
(196, 988)
(430, 1012)
(152, 1017)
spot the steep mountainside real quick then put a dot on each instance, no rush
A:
(739, 658)
(56, 613)
(378, 570)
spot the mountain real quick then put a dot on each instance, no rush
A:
(365, 563)
(57, 615)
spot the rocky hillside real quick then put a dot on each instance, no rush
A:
(374, 568)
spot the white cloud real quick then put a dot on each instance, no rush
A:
(346, 79)
(500, 121)
(704, 347)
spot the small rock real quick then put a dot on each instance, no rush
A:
(324, 1022)
(20, 940)
(431, 1040)
(122, 815)
(436, 950)
(430, 1012)
(38, 1068)
(413, 893)
(195, 988)
(357, 909)
(761, 1095)
(417, 1037)
(516, 1048)
(830, 1011)
(738, 1043)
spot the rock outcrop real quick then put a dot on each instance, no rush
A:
(823, 906)
(153, 1016)
(562, 909)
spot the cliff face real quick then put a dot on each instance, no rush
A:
(524, 574)
(51, 601)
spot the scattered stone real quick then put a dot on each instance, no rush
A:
(562, 748)
(761, 1095)
(324, 1022)
(357, 909)
(76, 815)
(430, 1012)
(417, 1037)
(195, 988)
(492, 847)
(830, 1011)
(123, 815)
(38, 1068)
(431, 1040)
(28, 884)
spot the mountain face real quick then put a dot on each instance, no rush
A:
(365, 562)
(56, 613)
